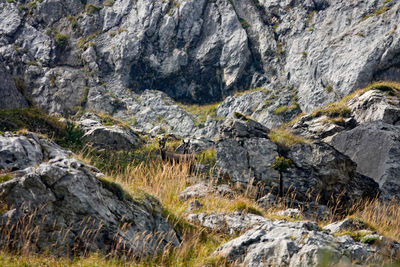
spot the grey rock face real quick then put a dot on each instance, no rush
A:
(282, 243)
(271, 108)
(10, 97)
(17, 153)
(200, 50)
(321, 171)
(244, 152)
(318, 171)
(76, 212)
(231, 223)
(346, 225)
(375, 147)
(202, 189)
(375, 105)
(109, 137)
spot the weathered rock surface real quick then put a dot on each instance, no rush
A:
(17, 153)
(109, 137)
(10, 97)
(375, 105)
(375, 147)
(202, 189)
(231, 223)
(281, 243)
(318, 171)
(71, 209)
(350, 225)
(197, 50)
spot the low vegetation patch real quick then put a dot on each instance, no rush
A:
(257, 89)
(286, 139)
(201, 112)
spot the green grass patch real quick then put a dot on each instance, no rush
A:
(5, 178)
(284, 138)
(34, 120)
(116, 189)
(245, 207)
(201, 112)
(281, 109)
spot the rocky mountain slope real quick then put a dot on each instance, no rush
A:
(264, 92)
(70, 53)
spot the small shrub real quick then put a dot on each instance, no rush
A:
(92, 9)
(370, 240)
(329, 88)
(73, 135)
(61, 40)
(281, 164)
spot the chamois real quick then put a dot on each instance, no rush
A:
(174, 157)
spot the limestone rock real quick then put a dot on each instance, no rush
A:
(109, 137)
(375, 147)
(18, 153)
(282, 243)
(346, 225)
(245, 155)
(73, 211)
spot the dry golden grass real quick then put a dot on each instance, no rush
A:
(383, 217)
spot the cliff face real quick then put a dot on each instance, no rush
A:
(71, 53)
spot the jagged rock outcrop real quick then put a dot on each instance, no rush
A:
(375, 147)
(269, 107)
(245, 154)
(59, 204)
(196, 50)
(365, 128)
(379, 103)
(281, 243)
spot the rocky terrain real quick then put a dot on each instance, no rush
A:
(293, 143)
(52, 198)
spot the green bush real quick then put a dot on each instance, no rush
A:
(73, 135)
(61, 40)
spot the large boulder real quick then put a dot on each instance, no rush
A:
(281, 243)
(375, 147)
(113, 137)
(62, 206)
(246, 155)
(321, 172)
